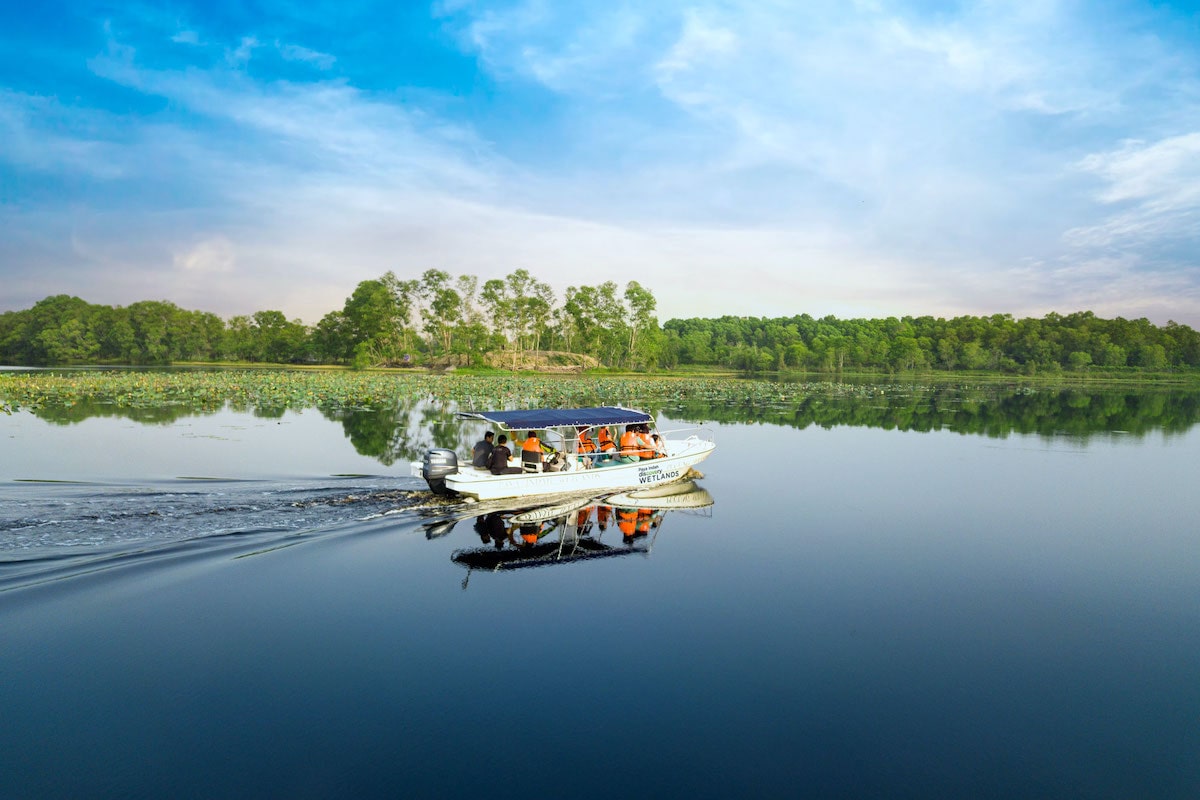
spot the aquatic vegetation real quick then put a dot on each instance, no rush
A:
(283, 389)
(377, 408)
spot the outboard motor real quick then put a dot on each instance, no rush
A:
(438, 463)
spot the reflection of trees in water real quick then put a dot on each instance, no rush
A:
(165, 414)
(81, 410)
(402, 430)
(407, 426)
(993, 412)
(445, 428)
(380, 433)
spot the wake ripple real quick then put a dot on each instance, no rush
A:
(36, 521)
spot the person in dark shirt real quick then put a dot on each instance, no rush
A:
(500, 455)
(481, 456)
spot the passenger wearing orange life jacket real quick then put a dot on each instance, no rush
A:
(531, 453)
(585, 447)
(647, 444)
(631, 446)
(606, 446)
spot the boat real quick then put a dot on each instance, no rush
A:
(579, 472)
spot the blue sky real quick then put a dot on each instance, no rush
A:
(849, 157)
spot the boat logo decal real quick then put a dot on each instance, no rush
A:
(655, 474)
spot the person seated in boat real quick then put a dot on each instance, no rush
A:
(647, 450)
(631, 446)
(481, 456)
(500, 456)
(606, 447)
(531, 453)
(585, 446)
(660, 447)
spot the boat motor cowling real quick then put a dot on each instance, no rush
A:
(438, 463)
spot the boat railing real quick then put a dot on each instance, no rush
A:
(701, 432)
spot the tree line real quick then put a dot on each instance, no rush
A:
(443, 320)
(1053, 343)
(436, 318)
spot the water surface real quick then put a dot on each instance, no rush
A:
(229, 604)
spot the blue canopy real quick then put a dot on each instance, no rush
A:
(541, 418)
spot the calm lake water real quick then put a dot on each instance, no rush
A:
(882, 600)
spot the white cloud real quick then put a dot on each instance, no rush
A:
(322, 125)
(1166, 171)
(294, 52)
(702, 44)
(40, 133)
(213, 255)
(242, 53)
(1156, 186)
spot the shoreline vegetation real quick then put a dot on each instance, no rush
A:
(376, 407)
(517, 325)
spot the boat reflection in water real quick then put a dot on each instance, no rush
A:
(577, 530)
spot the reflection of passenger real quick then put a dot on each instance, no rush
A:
(627, 522)
(530, 533)
(500, 455)
(602, 516)
(490, 528)
(481, 456)
(636, 523)
(583, 521)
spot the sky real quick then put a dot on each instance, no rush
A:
(861, 158)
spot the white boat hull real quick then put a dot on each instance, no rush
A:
(481, 485)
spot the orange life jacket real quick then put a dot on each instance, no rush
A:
(605, 439)
(532, 445)
(586, 445)
(647, 450)
(627, 520)
(630, 445)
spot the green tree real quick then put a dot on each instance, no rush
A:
(1079, 360)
